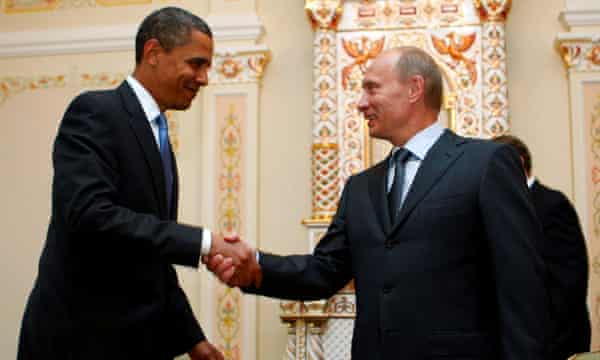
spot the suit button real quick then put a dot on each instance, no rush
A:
(387, 289)
(388, 244)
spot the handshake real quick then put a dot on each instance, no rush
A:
(233, 262)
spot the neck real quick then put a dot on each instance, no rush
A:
(414, 125)
(143, 76)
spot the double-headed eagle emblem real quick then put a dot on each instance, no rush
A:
(455, 46)
(361, 54)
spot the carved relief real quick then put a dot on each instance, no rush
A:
(581, 54)
(10, 86)
(323, 14)
(242, 67)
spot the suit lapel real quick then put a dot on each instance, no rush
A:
(175, 202)
(145, 138)
(378, 193)
(441, 155)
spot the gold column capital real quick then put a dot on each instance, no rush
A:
(579, 51)
(493, 10)
(324, 14)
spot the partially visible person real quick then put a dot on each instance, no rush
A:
(106, 288)
(564, 252)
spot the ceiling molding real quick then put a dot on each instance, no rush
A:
(238, 27)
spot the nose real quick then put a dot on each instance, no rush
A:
(202, 76)
(362, 103)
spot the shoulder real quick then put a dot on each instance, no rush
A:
(95, 98)
(548, 197)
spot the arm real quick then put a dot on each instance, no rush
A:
(566, 256)
(511, 232)
(86, 192)
(311, 277)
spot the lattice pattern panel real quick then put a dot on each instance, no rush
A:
(337, 338)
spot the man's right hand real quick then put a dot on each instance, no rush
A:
(233, 262)
(205, 351)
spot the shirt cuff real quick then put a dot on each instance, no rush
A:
(206, 241)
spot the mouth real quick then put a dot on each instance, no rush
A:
(370, 118)
(191, 89)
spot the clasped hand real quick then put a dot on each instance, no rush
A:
(233, 262)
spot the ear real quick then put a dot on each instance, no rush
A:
(152, 49)
(416, 88)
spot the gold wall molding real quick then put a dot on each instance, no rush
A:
(32, 6)
(580, 52)
(407, 14)
(239, 65)
(324, 14)
(13, 85)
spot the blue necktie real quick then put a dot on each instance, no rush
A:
(167, 160)
(395, 195)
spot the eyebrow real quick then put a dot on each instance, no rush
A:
(199, 61)
(368, 83)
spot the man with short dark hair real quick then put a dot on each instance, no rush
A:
(564, 252)
(438, 237)
(106, 287)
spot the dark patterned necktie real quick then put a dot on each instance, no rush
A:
(165, 155)
(395, 195)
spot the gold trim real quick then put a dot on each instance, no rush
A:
(317, 220)
(312, 6)
(485, 16)
(325, 146)
(36, 8)
(109, 3)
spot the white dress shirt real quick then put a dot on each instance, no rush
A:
(418, 145)
(152, 111)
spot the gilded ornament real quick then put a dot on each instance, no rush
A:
(569, 53)
(456, 48)
(230, 68)
(493, 10)
(361, 54)
(324, 14)
(594, 55)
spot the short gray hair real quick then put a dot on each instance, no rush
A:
(171, 26)
(414, 61)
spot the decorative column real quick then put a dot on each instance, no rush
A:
(493, 14)
(580, 53)
(230, 165)
(324, 16)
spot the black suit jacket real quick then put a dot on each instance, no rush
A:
(457, 277)
(564, 252)
(106, 288)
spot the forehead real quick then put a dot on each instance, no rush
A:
(383, 65)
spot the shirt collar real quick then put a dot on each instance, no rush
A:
(530, 181)
(422, 141)
(148, 103)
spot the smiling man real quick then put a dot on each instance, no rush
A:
(106, 287)
(439, 237)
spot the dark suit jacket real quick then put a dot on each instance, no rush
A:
(564, 252)
(106, 288)
(457, 277)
